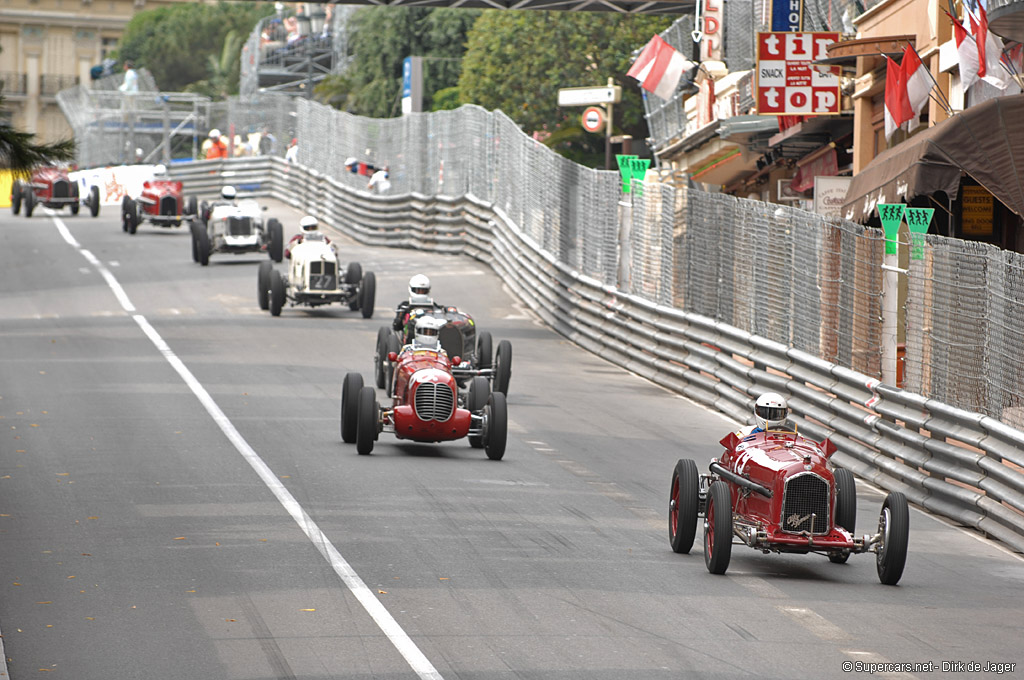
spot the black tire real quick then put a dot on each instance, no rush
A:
(350, 389)
(126, 208)
(367, 294)
(354, 274)
(477, 397)
(684, 501)
(503, 367)
(380, 356)
(15, 197)
(75, 207)
(484, 351)
(718, 528)
(191, 207)
(367, 417)
(29, 199)
(134, 218)
(846, 508)
(389, 373)
(263, 284)
(276, 233)
(204, 212)
(276, 293)
(894, 526)
(496, 430)
(202, 245)
(94, 201)
(194, 234)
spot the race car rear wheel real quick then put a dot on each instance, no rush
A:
(74, 208)
(354, 274)
(496, 426)
(479, 394)
(193, 230)
(202, 245)
(367, 294)
(30, 201)
(484, 350)
(894, 527)
(350, 389)
(276, 293)
(503, 367)
(94, 201)
(684, 500)
(367, 418)
(126, 208)
(846, 508)
(16, 197)
(191, 206)
(276, 248)
(262, 283)
(380, 356)
(134, 218)
(718, 528)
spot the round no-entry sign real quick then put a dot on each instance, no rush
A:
(593, 118)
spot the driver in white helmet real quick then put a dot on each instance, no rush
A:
(310, 231)
(228, 194)
(419, 299)
(770, 414)
(427, 334)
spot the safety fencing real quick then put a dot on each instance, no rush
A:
(960, 464)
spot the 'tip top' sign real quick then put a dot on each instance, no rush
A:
(787, 83)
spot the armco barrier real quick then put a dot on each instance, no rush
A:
(958, 464)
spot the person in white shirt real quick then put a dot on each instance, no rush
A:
(380, 181)
(131, 79)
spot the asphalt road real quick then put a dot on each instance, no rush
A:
(176, 502)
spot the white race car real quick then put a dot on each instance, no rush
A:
(238, 229)
(313, 279)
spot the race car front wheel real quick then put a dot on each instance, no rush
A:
(684, 500)
(350, 389)
(718, 528)
(276, 293)
(367, 294)
(94, 201)
(367, 418)
(262, 283)
(495, 426)
(894, 527)
(16, 197)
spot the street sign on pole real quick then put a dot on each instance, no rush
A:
(593, 119)
(585, 96)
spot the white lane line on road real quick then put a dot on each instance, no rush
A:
(381, 616)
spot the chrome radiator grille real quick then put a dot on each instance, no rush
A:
(323, 275)
(434, 401)
(168, 205)
(806, 496)
(239, 226)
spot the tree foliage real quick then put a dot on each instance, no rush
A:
(176, 42)
(381, 39)
(517, 61)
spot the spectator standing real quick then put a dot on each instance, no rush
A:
(380, 181)
(131, 79)
(268, 143)
(292, 154)
(218, 148)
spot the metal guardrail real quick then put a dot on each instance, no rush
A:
(961, 465)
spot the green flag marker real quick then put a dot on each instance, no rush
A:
(891, 215)
(638, 167)
(625, 171)
(918, 219)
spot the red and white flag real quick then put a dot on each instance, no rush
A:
(659, 68)
(990, 51)
(918, 82)
(897, 105)
(967, 51)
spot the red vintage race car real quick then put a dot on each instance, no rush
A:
(52, 188)
(425, 406)
(777, 492)
(161, 202)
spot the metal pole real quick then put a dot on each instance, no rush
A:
(890, 315)
(610, 109)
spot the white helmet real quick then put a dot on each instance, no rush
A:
(309, 223)
(771, 411)
(419, 285)
(228, 192)
(428, 329)
(214, 133)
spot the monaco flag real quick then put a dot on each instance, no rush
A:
(897, 104)
(917, 80)
(990, 50)
(967, 51)
(659, 68)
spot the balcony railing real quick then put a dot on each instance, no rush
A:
(13, 83)
(50, 85)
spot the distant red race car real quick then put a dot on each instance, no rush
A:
(161, 202)
(52, 188)
(426, 406)
(777, 492)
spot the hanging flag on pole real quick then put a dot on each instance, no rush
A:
(659, 68)
(897, 105)
(967, 53)
(918, 82)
